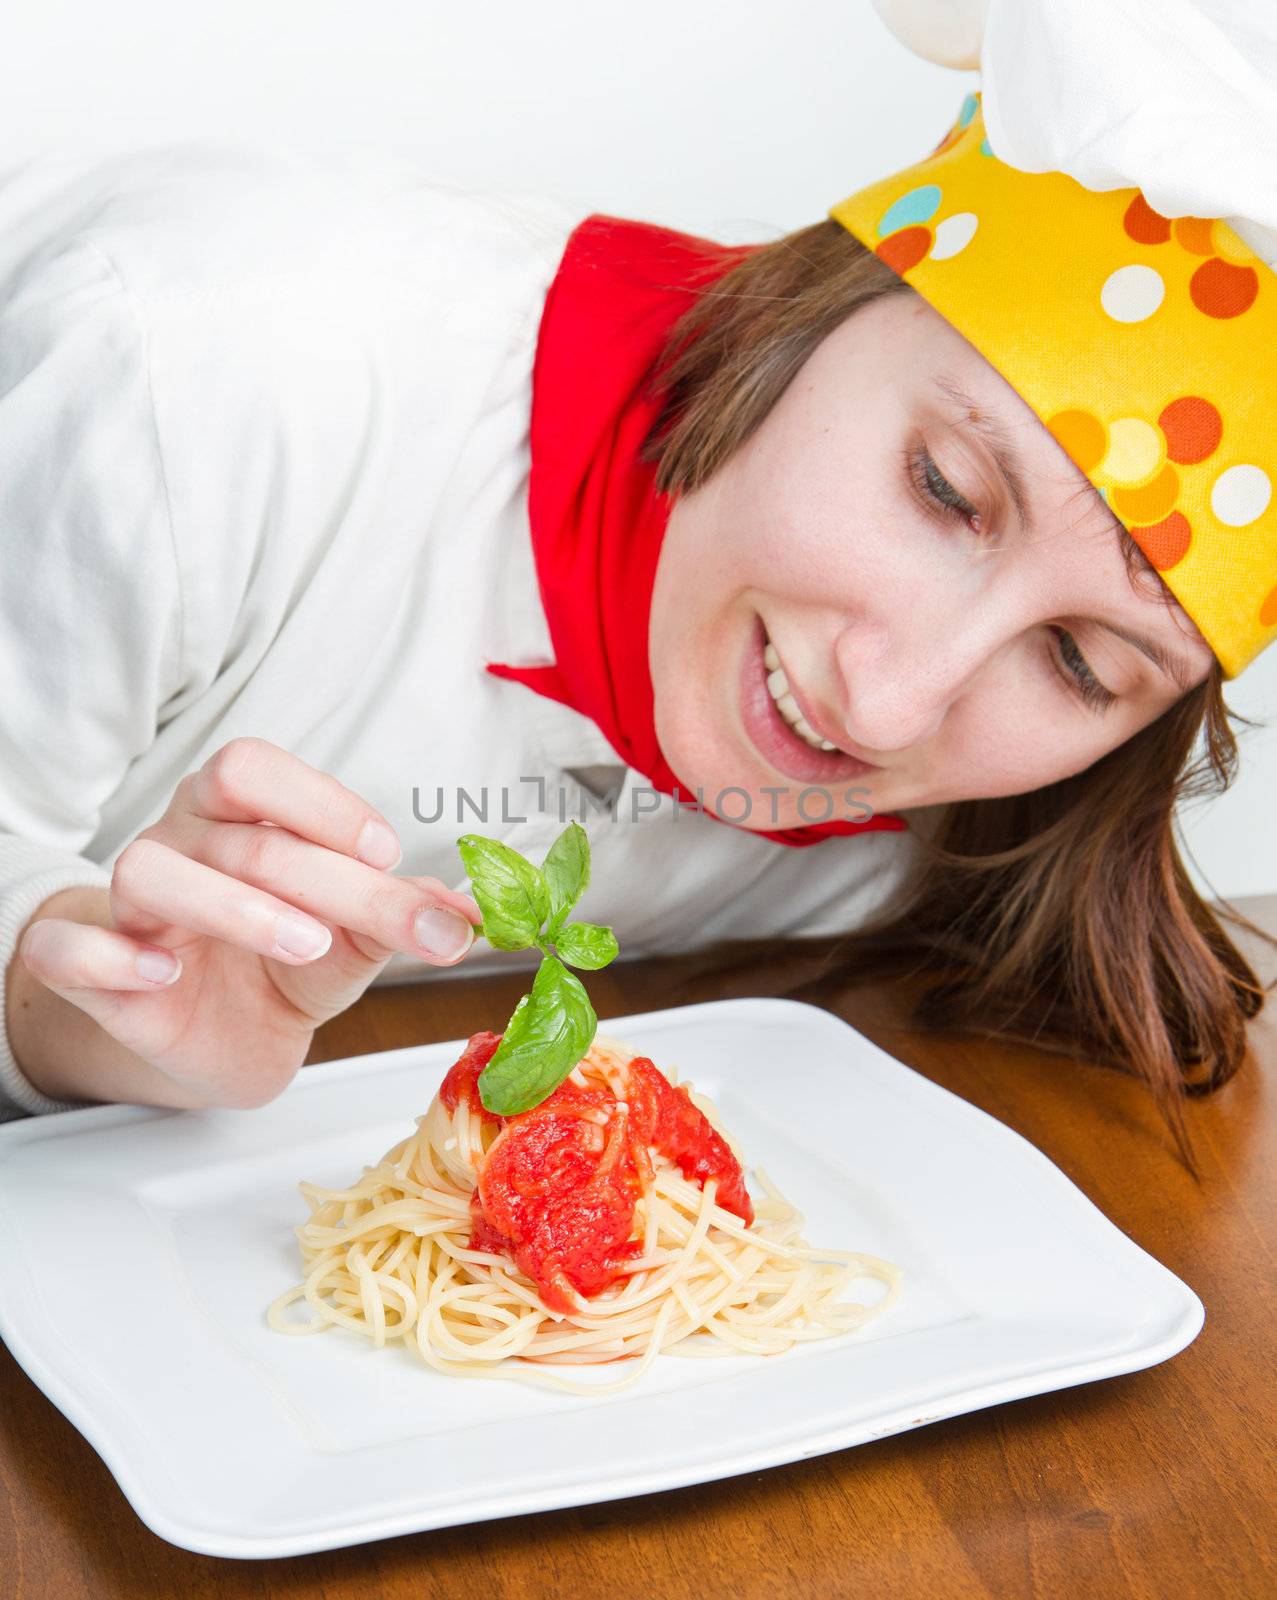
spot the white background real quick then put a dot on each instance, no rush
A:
(737, 120)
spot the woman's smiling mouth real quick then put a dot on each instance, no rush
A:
(778, 688)
(773, 719)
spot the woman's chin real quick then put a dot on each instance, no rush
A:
(745, 792)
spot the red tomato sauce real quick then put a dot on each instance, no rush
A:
(558, 1187)
(462, 1082)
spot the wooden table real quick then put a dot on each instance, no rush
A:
(1161, 1483)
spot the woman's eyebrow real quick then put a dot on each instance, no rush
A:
(996, 437)
(1175, 669)
(1174, 666)
(1011, 467)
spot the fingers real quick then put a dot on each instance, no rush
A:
(153, 887)
(249, 885)
(418, 915)
(76, 955)
(253, 780)
(310, 854)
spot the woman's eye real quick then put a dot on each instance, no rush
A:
(930, 482)
(1081, 679)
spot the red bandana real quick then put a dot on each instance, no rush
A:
(596, 518)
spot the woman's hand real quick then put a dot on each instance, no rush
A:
(267, 881)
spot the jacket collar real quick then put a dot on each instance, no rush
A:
(568, 738)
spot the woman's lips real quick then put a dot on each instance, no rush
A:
(772, 736)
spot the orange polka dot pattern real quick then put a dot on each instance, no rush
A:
(1146, 344)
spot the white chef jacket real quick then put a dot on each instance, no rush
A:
(263, 470)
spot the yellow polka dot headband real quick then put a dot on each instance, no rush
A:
(1148, 347)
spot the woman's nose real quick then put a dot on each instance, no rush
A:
(898, 687)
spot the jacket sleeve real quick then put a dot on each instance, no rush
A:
(90, 608)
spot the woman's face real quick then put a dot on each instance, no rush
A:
(965, 651)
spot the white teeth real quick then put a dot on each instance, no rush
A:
(778, 688)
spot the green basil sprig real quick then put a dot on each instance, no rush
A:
(524, 906)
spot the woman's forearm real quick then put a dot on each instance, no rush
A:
(60, 1049)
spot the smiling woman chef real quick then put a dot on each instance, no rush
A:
(890, 571)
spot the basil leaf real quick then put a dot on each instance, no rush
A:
(511, 893)
(566, 870)
(550, 1031)
(586, 945)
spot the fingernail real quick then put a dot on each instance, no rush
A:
(378, 846)
(156, 967)
(299, 938)
(442, 933)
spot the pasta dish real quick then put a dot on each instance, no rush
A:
(608, 1224)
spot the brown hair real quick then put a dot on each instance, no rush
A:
(1064, 917)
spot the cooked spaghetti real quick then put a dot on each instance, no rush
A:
(609, 1223)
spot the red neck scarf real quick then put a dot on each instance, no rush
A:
(597, 521)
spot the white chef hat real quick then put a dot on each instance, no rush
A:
(1177, 98)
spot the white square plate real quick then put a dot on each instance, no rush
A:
(139, 1249)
